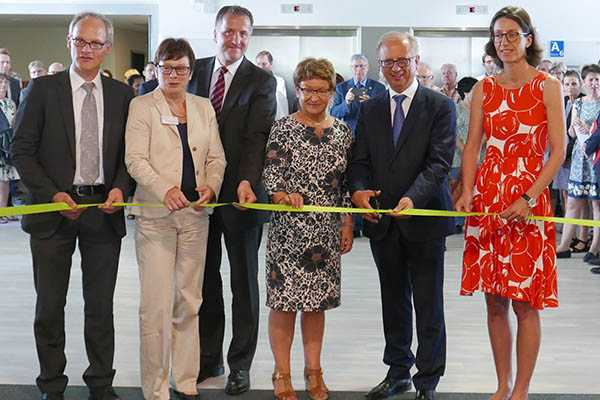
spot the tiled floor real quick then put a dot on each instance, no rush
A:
(569, 360)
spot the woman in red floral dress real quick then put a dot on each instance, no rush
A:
(509, 258)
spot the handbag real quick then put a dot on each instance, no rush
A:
(6, 137)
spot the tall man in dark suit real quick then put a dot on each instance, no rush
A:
(14, 88)
(403, 151)
(243, 96)
(69, 147)
(351, 93)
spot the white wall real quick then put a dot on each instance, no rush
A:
(576, 22)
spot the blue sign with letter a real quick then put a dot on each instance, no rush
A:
(557, 48)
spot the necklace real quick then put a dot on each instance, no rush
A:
(312, 123)
(174, 106)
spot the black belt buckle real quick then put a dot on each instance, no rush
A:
(87, 190)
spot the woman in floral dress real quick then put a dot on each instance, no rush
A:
(509, 258)
(7, 116)
(583, 182)
(307, 155)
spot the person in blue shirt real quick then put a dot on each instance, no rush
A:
(351, 93)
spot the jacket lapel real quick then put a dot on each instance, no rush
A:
(237, 84)
(384, 124)
(108, 111)
(65, 98)
(411, 121)
(163, 109)
(202, 77)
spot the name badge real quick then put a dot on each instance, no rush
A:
(169, 120)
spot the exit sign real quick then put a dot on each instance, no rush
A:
(300, 8)
(471, 9)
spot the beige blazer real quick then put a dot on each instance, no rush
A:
(153, 151)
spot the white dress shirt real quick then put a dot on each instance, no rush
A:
(231, 70)
(409, 92)
(283, 108)
(78, 95)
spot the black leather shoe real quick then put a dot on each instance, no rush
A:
(595, 270)
(389, 387)
(183, 396)
(238, 382)
(107, 393)
(210, 372)
(563, 254)
(53, 396)
(425, 395)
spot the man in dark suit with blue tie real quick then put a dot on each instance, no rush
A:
(351, 93)
(404, 146)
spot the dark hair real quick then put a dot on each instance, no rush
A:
(132, 78)
(465, 85)
(235, 11)
(521, 17)
(174, 49)
(590, 69)
(267, 54)
(483, 57)
(573, 74)
(315, 68)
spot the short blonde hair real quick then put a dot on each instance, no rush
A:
(315, 68)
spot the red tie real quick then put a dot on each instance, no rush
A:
(216, 97)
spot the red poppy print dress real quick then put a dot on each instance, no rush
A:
(516, 260)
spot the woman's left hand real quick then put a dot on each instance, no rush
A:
(347, 238)
(206, 194)
(517, 211)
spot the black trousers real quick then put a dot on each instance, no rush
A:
(412, 272)
(100, 248)
(242, 243)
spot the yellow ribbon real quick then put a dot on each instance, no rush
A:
(53, 207)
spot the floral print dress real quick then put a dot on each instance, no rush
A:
(7, 172)
(303, 267)
(516, 260)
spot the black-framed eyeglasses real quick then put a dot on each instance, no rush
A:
(315, 92)
(180, 70)
(81, 43)
(402, 62)
(511, 36)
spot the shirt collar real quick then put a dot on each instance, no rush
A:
(77, 80)
(363, 82)
(232, 68)
(409, 92)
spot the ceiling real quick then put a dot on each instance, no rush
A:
(138, 23)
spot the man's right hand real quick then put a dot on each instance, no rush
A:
(361, 198)
(63, 197)
(349, 97)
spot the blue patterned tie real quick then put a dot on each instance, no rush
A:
(398, 118)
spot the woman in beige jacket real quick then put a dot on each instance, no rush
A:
(174, 153)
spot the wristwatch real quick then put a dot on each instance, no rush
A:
(530, 202)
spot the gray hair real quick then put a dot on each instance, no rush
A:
(399, 36)
(450, 66)
(108, 26)
(36, 64)
(361, 57)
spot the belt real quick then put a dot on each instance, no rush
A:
(88, 190)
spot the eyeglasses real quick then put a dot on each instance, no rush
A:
(424, 77)
(402, 62)
(361, 66)
(315, 92)
(511, 36)
(179, 70)
(81, 43)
